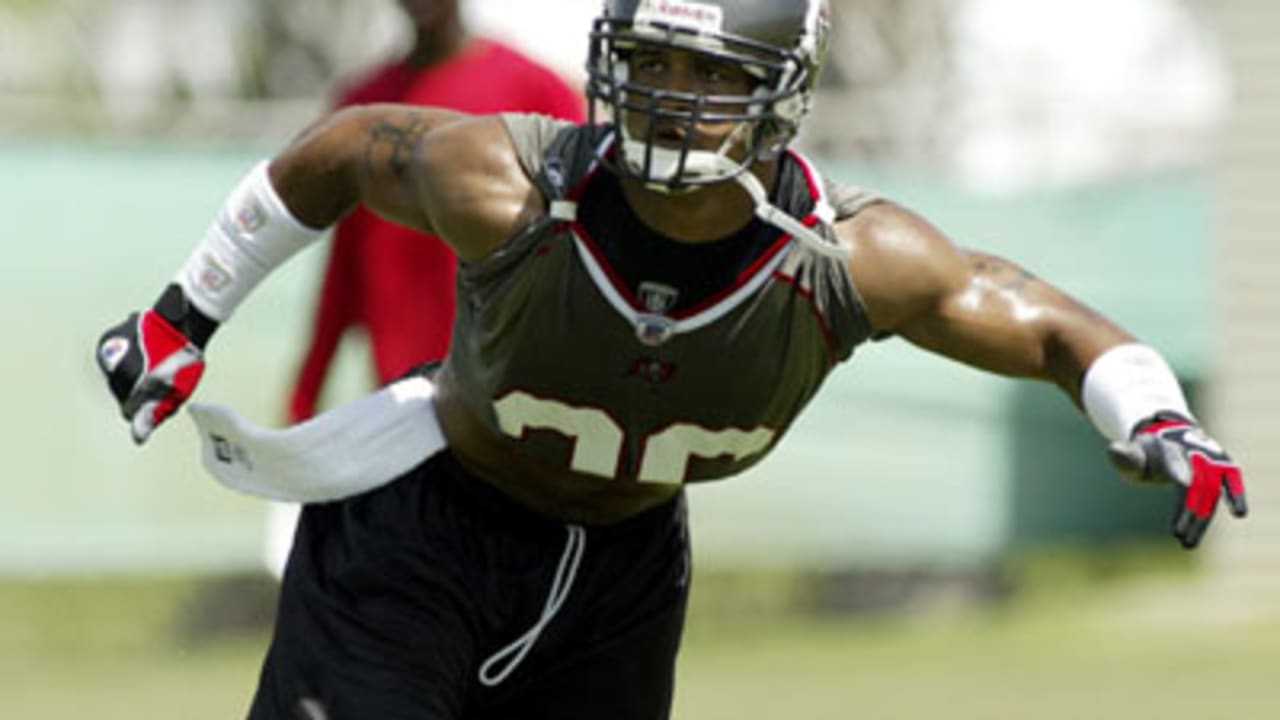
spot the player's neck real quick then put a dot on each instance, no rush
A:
(705, 215)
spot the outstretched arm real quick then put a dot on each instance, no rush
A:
(987, 312)
(973, 307)
(434, 170)
(1004, 319)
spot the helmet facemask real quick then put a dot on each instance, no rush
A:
(763, 121)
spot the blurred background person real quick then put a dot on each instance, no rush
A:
(393, 283)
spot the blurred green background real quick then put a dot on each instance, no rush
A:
(928, 542)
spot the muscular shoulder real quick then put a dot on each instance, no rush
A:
(474, 186)
(430, 169)
(901, 264)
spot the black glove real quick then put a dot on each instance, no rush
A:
(153, 360)
(1171, 448)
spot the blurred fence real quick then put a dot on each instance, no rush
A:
(1245, 366)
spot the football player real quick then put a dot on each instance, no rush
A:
(645, 301)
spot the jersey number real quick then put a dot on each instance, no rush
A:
(597, 438)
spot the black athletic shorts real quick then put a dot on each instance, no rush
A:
(393, 600)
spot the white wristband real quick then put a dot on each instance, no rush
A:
(1127, 384)
(252, 234)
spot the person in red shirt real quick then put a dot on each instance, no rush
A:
(397, 284)
(394, 283)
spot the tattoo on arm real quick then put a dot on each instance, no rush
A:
(393, 140)
(1001, 273)
(1069, 332)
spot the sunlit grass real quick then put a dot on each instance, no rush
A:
(117, 648)
(1118, 638)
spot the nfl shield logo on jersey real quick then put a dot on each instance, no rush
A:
(654, 329)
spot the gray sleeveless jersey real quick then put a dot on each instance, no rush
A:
(555, 355)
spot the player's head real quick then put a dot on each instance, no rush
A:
(700, 89)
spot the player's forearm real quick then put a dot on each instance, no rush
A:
(154, 359)
(1116, 380)
(284, 204)
(1010, 321)
(1014, 331)
(1073, 339)
(253, 232)
(316, 176)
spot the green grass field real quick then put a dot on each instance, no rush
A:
(1066, 647)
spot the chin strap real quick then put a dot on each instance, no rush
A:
(764, 210)
(778, 218)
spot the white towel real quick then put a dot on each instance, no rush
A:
(352, 448)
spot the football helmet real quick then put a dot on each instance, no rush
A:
(780, 43)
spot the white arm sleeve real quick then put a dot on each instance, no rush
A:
(1127, 384)
(251, 235)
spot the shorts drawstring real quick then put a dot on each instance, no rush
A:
(514, 653)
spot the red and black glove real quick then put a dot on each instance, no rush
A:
(1169, 448)
(153, 360)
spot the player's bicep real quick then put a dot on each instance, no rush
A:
(1007, 320)
(391, 168)
(439, 171)
(367, 154)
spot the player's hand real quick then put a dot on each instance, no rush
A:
(151, 367)
(1169, 448)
